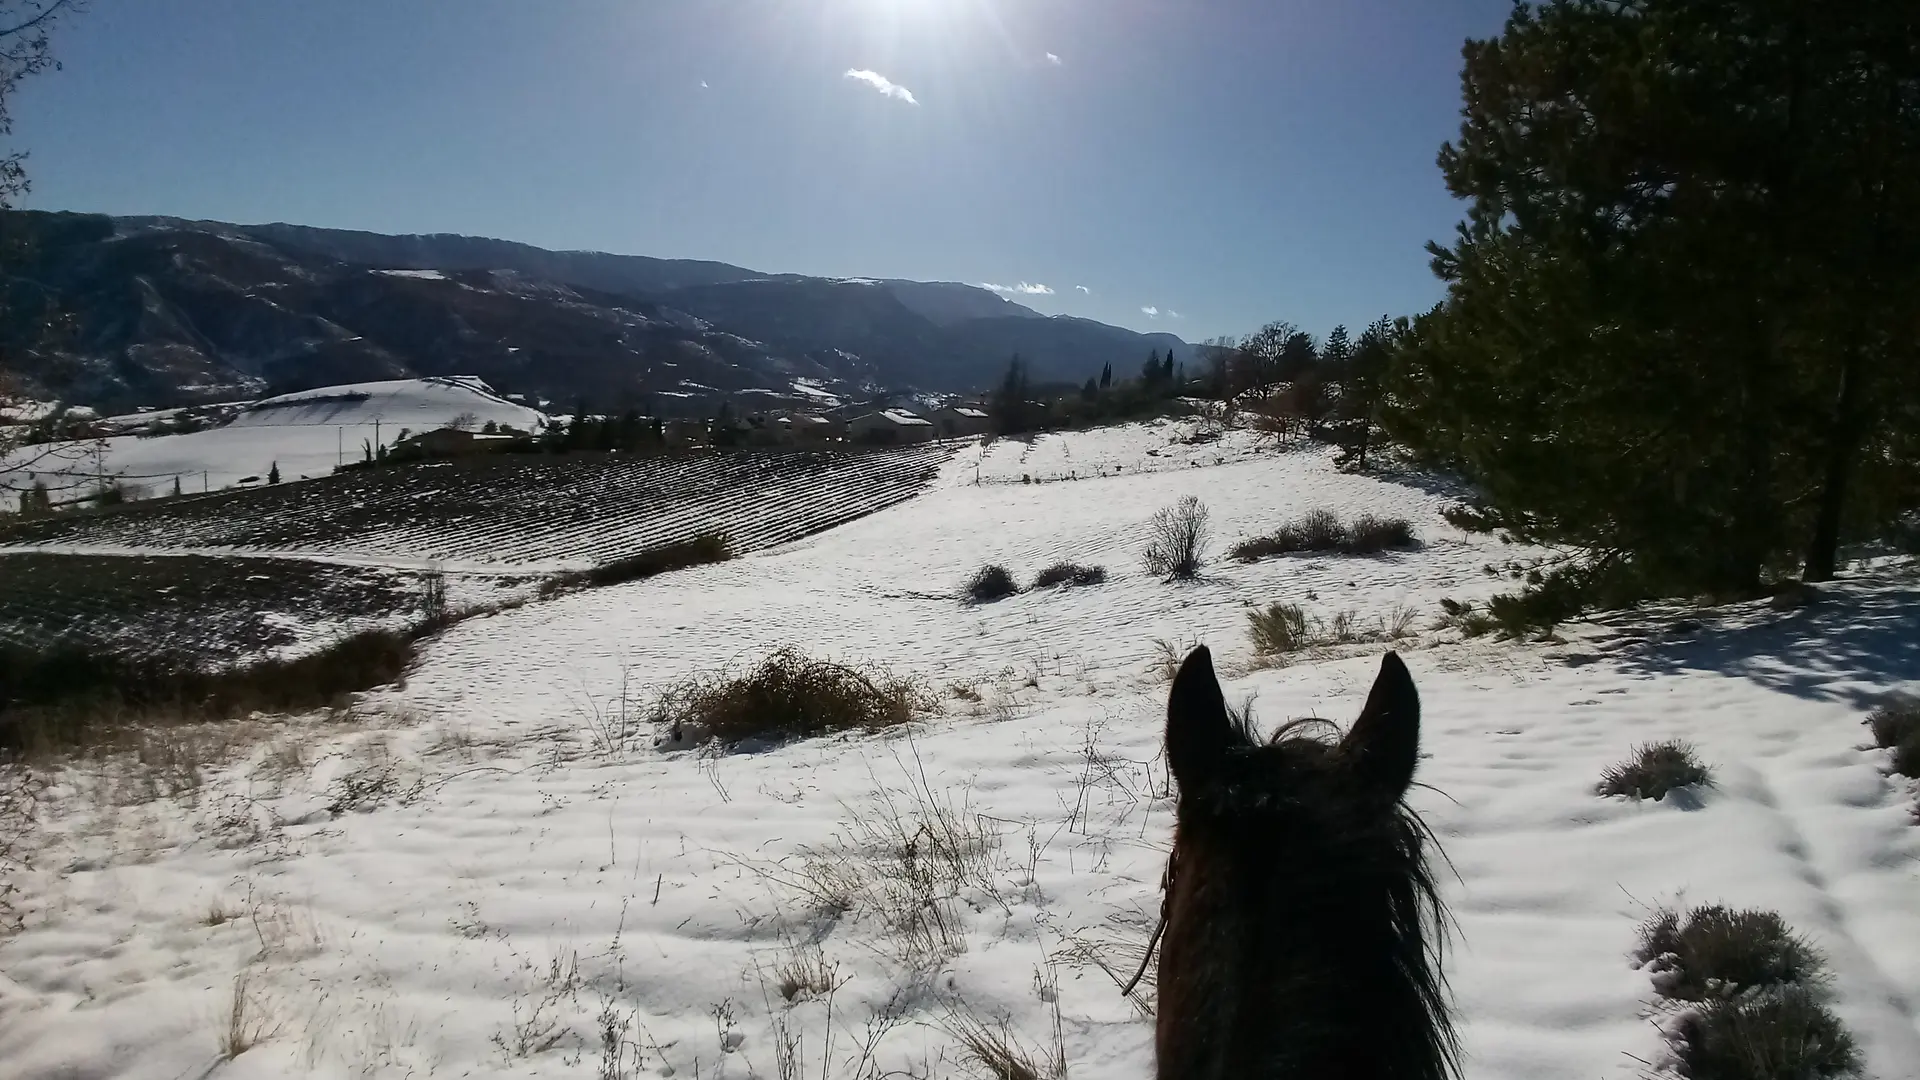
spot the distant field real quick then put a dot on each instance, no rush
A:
(513, 511)
(208, 608)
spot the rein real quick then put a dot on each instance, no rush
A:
(1166, 904)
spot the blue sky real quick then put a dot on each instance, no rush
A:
(1221, 162)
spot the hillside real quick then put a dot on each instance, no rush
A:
(492, 869)
(305, 433)
(163, 311)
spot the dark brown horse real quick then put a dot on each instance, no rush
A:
(1302, 929)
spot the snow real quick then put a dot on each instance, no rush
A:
(501, 839)
(423, 275)
(308, 433)
(810, 388)
(904, 418)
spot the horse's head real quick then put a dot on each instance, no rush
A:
(1298, 910)
(1298, 791)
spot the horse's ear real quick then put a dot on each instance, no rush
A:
(1198, 731)
(1384, 744)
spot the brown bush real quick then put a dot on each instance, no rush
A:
(1655, 770)
(1067, 573)
(789, 695)
(679, 555)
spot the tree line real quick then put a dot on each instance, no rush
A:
(1679, 333)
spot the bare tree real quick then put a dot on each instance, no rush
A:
(25, 26)
(25, 50)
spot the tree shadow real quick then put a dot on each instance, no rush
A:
(1844, 647)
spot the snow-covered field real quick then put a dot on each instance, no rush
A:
(306, 433)
(485, 873)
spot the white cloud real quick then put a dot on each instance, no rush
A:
(1033, 290)
(1172, 314)
(1084, 289)
(703, 84)
(883, 84)
(1052, 59)
(991, 287)
(1150, 311)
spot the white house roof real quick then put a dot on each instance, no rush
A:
(971, 414)
(902, 417)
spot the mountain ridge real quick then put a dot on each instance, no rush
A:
(168, 310)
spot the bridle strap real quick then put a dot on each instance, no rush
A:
(1166, 903)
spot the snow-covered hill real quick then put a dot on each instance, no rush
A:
(492, 872)
(306, 434)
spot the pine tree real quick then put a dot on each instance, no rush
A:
(1363, 386)
(1670, 338)
(1336, 352)
(1150, 371)
(1106, 375)
(273, 474)
(176, 487)
(1011, 413)
(1166, 368)
(1298, 357)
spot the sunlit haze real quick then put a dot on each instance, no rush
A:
(1192, 167)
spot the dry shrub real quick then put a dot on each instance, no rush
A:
(1780, 1034)
(19, 797)
(990, 583)
(679, 555)
(1322, 530)
(1655, 770)
(1066, 573)
(1896, 727)
(1755, 995)
(1177, 540)
(1278, 629)
(789, 695)
(70, 697)
(1368, 534)
(1713, 951)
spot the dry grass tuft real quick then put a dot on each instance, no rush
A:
(789, 695)
(1896, 727)
(912, 859)
(247, 1023)
(1000, 1055)
(1279, 629)
(1655, 770)
(804, 972)
(218, 913)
